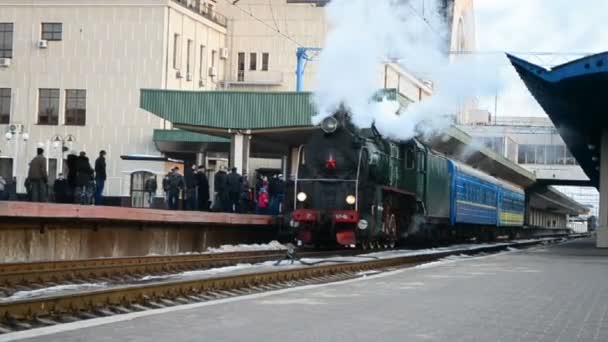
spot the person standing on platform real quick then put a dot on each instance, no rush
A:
(37, 177)
(61, 189)
(2, 189)
(277, 194)
(203, 189)
(84, 180)
(263, 202)
(235, 187)
(72, 160)
(245, 194)
(221, 201)
(166, 187)
(100, 177)
(191, 184)
(175, 184)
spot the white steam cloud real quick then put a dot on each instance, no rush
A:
(367, 34)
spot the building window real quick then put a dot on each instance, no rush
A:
(176, 51)
(6, 40)
(265, 57)
(240, 77)
(140, 198)
(188, 56)
(253, 61)
(48, 106)
(75, 107)
(201, 62)
(5, 105)
(52, 31)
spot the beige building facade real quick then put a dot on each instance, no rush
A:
(72, 70)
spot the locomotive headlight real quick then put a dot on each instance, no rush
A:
(301, 196)
(350, 199)
(362, 224)
(329, 124)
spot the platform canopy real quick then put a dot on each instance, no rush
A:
(575, 98)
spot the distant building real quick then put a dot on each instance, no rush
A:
(535, 144)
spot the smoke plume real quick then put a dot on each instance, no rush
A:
(367, 34)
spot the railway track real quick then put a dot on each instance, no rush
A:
(50, 310)
(27, 276)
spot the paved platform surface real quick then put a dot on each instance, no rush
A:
(557, 293)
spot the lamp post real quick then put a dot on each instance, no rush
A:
(59, 140)
(16, 136)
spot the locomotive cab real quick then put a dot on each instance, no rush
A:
(327, 188)
(354, 187)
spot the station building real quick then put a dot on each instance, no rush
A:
(535, 144)
(71, 74)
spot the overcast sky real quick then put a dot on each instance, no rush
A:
(563, 26)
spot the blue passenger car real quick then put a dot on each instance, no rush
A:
(480, 199)
(474, 196)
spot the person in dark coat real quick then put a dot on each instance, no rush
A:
(100, 176)
(203, 189)
(84, 179)
(235, 187)
(175, 185)
(246, 195)
(71, 175)
(277, 195)
(191, 184)
(221, 201)
(37, 177)
(61, 189)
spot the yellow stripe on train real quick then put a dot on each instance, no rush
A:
(511, 218)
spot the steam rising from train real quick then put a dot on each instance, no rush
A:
(366, 34)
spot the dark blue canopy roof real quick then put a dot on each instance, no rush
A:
(575, 96)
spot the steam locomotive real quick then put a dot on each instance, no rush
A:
(355, 187)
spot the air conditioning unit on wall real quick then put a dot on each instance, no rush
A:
(224, 53)
(5, 62)
(212, 72)
(42, 44)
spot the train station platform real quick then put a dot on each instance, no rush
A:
(71, 212)
(48, 231)
(548, 293)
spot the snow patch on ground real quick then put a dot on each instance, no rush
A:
(48, 291)
(272, 245)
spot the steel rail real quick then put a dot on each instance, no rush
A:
(131, 296)
(23, 274)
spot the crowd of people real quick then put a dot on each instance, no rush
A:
(83, 184)
(232, 192)
(195, 189)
